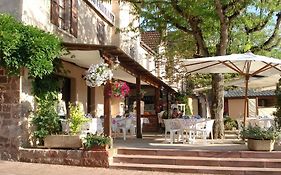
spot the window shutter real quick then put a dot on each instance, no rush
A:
(74, 18)
(55, 12)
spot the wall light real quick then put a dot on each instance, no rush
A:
(116, 62)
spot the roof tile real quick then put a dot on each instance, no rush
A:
(251, 93)
(151, 39)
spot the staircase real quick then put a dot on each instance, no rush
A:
(203, 162)
(229, 134)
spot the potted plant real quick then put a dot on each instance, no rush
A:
(45, 120)
(119, 89)
(96, 142)
(98, 74)
(260, 139)
(76, 120)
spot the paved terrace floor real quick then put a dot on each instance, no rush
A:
(21, 168)
(157, 141)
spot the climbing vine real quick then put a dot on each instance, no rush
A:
(27, 46)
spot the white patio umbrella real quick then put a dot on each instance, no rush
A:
(247, 65)
(257, 82)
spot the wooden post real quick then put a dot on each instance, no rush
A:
(257, 106)
(246, 104)
(156, 100)
(168, 103)
(107, 109)
(138, 106)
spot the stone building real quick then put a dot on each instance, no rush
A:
(88, 29)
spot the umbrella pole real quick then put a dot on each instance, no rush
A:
(246, 104)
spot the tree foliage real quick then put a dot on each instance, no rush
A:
(214, 28)
(27, 46)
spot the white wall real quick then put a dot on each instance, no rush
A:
(11, 7)
(37, 13)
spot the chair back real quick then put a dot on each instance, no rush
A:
(175, 124)
(200, 124)
(167, 123)
(171, 124)
(128, 123)
(209, 125)
(160, 118)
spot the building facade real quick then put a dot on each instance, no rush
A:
(92, 32)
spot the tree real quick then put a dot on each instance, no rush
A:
(277, 114)
(217, 27)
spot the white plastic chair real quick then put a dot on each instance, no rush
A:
(187, 129)
(207, 130)
(125, 125)
(171, 126)
(160, 117)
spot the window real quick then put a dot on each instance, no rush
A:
(64, 14)
(266, 102)
(101, 32)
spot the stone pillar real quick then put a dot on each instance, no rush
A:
(9, 116)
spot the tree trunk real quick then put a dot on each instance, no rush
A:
(217, 105)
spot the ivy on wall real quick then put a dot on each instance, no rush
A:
(27, 46)
(38, 51)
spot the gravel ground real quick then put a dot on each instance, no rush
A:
(20, 168)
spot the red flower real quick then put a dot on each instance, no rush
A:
(120, 89)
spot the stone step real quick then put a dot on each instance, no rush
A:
(199, 153)
(230, 136)
(198, 161)
(198, 169)
(231, 132)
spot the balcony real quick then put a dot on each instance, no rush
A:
(101, 8)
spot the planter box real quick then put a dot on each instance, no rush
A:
(62, 141)
(260, 145)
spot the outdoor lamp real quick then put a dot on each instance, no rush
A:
(116, 62)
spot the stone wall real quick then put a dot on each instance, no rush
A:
(65, 157)
(9, 116)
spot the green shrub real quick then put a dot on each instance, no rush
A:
(258, 133)
(230, 123)
(46, 119)
(93, 139)
(77, 118)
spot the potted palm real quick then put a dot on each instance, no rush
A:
(96, 142)
(260, 139)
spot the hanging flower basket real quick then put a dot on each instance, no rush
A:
(119, 89)
(98, 74)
